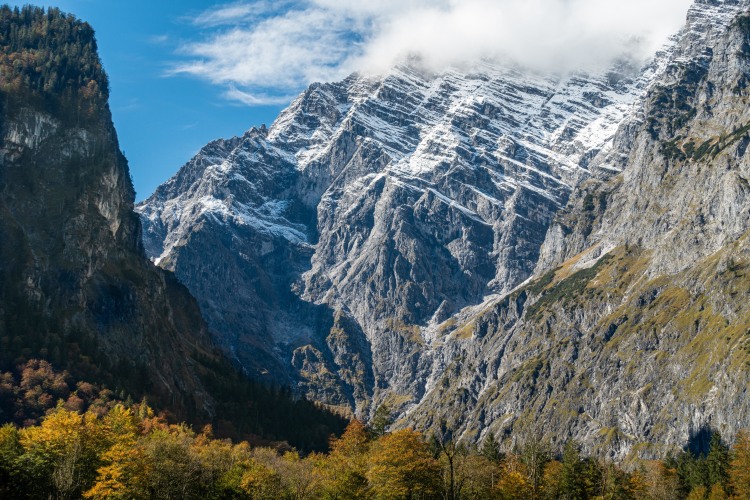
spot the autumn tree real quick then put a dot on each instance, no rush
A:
(698, 493)
(513, 483)
(123, 471)
(344, 470)
(10, 451)
(717, 492)
(551, 477)
(261, 481)
(739, 467)
(298, 479)
(62, 454)
(662, 482)
(173, 471)
(535, 453)
(401, 466)
(478, 476)
(637, 483)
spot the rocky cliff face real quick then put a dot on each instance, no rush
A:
(370, 207)
(369, 245)
(74, 279)
(633, 336)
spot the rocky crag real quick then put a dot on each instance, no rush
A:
(488, 249)
(74, 279)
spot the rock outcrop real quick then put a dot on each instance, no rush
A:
(74, 279)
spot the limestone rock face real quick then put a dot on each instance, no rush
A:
(632, 335)
(372, 207)
(489, 248)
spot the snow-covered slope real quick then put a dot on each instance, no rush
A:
(438, 187)
(325, 249)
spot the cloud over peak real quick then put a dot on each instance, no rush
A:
(261, 50)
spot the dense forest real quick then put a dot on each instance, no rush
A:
(249, 411)
(74, 440)
(124, 450)
(50, 59)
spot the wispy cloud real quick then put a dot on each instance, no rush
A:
(131, 104)
(261, 50)
(255, 99)
(236, 12)
(158, 39)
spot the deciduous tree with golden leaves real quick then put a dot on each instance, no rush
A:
(402, 467)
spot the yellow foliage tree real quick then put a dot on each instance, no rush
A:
(638, 483)
(125, 466)
(401, 466)
(344, 471)
(739, 467)
(123, 476)
(717, 493)
(260, 481)
(551, 479)
(65, 448)
(698, 493)
(477, 475)
(514, 481)
(662, 482)
(297, 476)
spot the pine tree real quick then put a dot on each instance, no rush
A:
(571, 475)
(717, 462)
(490, 449)
(381, 420)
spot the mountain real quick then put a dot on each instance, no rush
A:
(493, 249)
(77, 288)
(316, 247)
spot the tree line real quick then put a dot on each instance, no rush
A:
(245, 410)
(124, 450)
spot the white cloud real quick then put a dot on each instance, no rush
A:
(255, 99)
(158, 39)
(233, 13)
(260, 50)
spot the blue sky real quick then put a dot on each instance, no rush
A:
(183, 73)
(161, 121)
